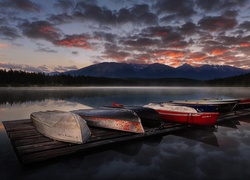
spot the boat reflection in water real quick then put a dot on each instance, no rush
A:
(233, 123)
(200, 134)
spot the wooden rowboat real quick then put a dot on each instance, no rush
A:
(112, 118)
(184, 114)
(61, 126)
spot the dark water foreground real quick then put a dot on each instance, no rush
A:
(220, 152)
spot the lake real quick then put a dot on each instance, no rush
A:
(220, 152)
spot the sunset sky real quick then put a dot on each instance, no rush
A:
(61, 35)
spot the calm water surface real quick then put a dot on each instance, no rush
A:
(220, 152)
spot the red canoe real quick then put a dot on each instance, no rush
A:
(184, 114)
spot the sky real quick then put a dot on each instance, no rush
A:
(61, 35)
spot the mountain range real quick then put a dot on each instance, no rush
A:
(156, 71)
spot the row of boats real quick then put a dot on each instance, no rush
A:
(73, 126)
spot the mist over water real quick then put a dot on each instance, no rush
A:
(220, 152)
(19, 103)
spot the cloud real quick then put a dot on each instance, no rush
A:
(197, 56)
(168, 36)
(42, 48)
(9, 33)
(25, 5)
(188, 28)
(23, 67)
(207, 5)
(138, 14)
(46, 49)
(42, 68)
(219, 5)
(64, 68)
(84, 11)
(245, 25)
(64, 5)
(78, 41)
(216, 50)
(244, 44)
(62, 18)
(143, 58)
(175, 9)
(170, 53)
(112, 51)
(217, 23)
(74, 52)
(3, 45)
(141, 14)
(106, 36)
(140, 42)
(41, 30)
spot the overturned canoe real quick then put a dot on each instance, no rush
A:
(61, 126)
(112, 118)
(149, 117)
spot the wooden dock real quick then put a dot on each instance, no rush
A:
(32, 147)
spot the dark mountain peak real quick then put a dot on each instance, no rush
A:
(219, 67)
(185, 67)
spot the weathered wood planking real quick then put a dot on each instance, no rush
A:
(31, 147)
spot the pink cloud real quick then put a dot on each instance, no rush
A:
(79, 41)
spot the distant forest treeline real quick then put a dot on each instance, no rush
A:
(21, 78)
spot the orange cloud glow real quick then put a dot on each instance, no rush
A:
(246, 44)
(197, 56)
(217, 51)
(4, 45)
(175, 63)
(171, 54)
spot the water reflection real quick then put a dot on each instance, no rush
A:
(229, 123)
(104, 95)
(131, 148)
(23, 111)
(1, 127)
(200, 134)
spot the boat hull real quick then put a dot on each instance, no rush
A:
(61, 126)
(117, 119)
(149, 117)
(184, 114)
(221, 106)
(202, 118)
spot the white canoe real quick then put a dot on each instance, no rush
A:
(223, 105)
(171, 107)
(61, 126)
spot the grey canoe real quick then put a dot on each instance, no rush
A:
(61, 126)
(112, 118)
